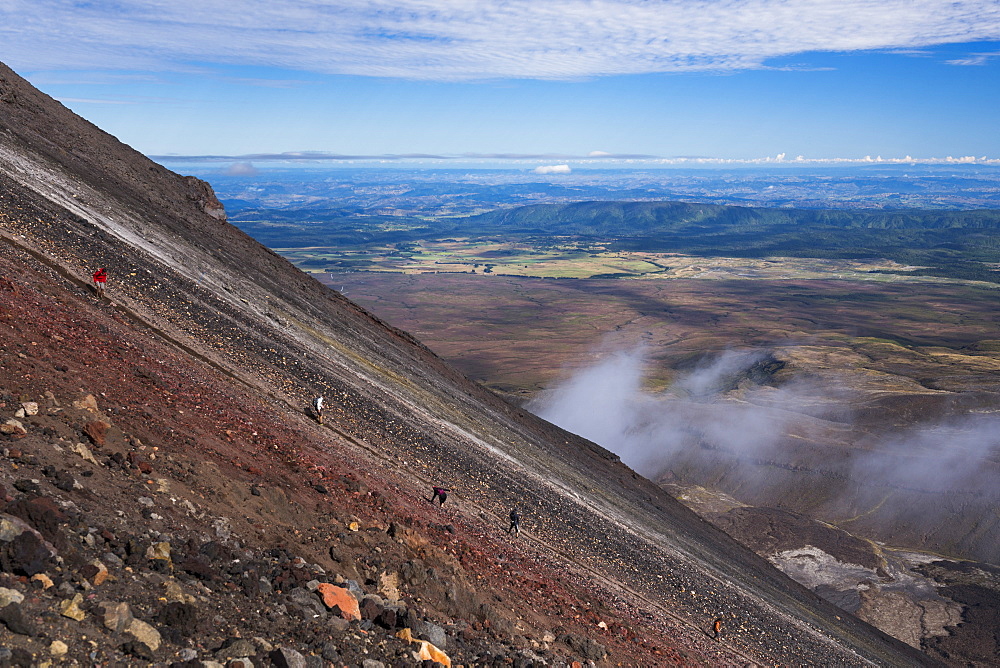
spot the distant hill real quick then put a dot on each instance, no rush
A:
(955, 244)
(628, 219)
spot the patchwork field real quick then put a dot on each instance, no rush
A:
(575, 259)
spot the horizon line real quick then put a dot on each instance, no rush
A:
(591, 158)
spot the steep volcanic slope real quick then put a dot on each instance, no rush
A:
(75, 198)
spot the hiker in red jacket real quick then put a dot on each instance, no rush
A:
(100, 280)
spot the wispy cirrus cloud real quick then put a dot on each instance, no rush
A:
(975, 59)
(455, 40)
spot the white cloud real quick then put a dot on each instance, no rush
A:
(553, 169)
(473, 39)
(974, 59)
(241, 169)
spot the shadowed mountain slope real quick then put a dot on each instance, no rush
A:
(239, 316)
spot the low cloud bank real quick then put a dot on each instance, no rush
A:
(241, 169)
(606, 403)
(931, 474)
(553, 169)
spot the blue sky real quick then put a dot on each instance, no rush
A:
(729, 79)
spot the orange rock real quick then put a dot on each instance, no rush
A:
(339, 597)
(427, 651)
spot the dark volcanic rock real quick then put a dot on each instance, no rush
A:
(285, 657)
(586, 647)
(12, 615)
(43, 514)
(26, 554)
(183, 617)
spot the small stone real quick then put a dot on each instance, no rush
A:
(11, 527)
(28, 486)
(236, 648)
(330, 652)
(44, 580)
(371, 608)
(70, 607)
(10, 596)
(97, 432)
(84, 451)
(187, 654)
(30, 407)
(13, 428)
(338, 624)
(16, 621)
(58, 648)
(341, 599)
(138, 650)
(182, 618)
(65, 481)
(388, 586)
(285, 657)
(95, 572)
(432, 633)
(87, 403)
(145, 634)
(115, 616)
(159, 551)
(25, 554)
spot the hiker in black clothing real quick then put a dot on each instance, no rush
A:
(440, 493)
(515, 522)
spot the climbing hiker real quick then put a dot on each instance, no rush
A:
(717, 627)
(318, 408)
(440, 493)
(515, 522)
(100, 281)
